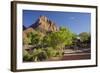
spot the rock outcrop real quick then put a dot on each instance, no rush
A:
(44, 24)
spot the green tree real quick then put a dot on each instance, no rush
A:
(59, 39)
(67, 35)
(34, 38)
(85, 39)
(85, 36)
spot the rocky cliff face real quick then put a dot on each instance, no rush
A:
(44, 24)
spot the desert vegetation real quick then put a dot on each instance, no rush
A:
(45, 45)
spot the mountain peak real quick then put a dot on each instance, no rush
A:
(44, 18)
(44, 24)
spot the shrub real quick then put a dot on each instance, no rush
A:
(26, 56)
(53, 52)
(39, 54)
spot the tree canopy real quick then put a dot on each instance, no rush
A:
(59, 39)
(84, 36)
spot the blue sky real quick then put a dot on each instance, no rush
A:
(77, 22)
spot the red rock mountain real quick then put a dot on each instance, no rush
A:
(44, 24)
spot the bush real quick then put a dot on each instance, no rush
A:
(39, 54)
(53, 52)
(26, 56)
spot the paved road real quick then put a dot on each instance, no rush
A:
(76, 56)
(67, 51)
